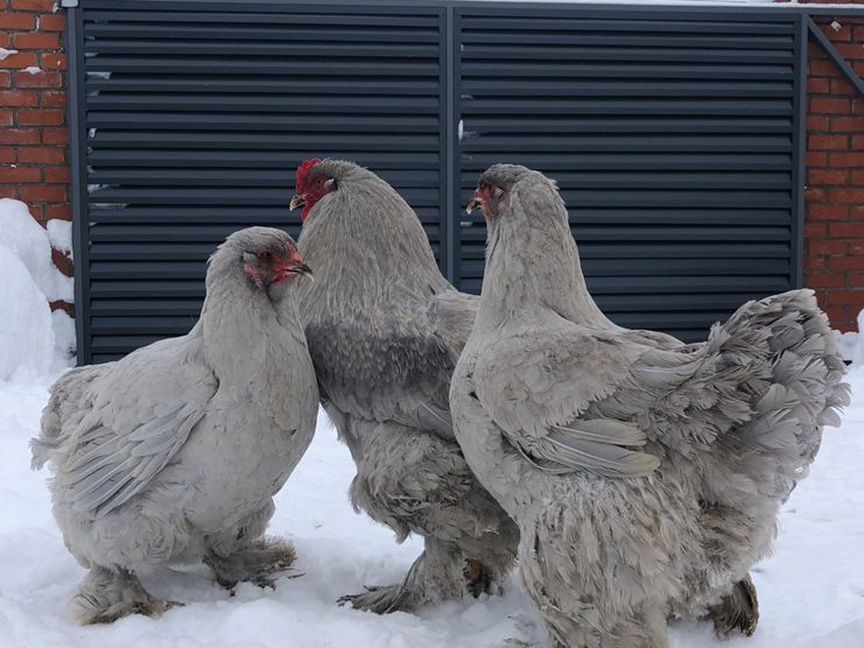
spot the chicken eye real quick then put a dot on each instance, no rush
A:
(265, 256)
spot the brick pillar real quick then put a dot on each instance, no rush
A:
(834, 225)
(34, 137)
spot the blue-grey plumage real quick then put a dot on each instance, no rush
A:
(173, 453)
(385, 329)
(645, 475)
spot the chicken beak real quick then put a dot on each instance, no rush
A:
(474, 204)
(297, 200)
(304, 270)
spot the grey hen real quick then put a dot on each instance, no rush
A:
(385, 330)
(645, 475)
(173, 453)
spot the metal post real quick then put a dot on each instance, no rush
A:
(799, 148)
(77, 153)
(452, 195)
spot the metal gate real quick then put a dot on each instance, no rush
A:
(675, 136)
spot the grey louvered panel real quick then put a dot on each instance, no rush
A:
(197, 116)
(672, 141)
(672, 135)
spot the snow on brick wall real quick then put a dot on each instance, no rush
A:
(33, 340)
(834, 227)
(34, 162)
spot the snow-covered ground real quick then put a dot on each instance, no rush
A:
(811, 591)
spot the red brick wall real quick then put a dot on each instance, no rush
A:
(34, 161)
(834, 226)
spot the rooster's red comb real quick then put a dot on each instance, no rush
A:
(304, 170)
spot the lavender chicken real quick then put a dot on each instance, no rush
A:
(174, 453)
(645, 475)
(385, 330)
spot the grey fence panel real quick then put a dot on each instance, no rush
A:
(674, 135)
(196, 116)
(672, 138)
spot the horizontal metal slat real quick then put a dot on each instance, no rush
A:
(254, 65)
(541, 54)
(478, 125)
(398, 122)
(286, 160)
(202, 103)
(478, 19)
(141, 85)
(365, 138)
(625, 39)
(515, 145)
(640, 106)
(262, 33)
(474, 88)
(623, 70)
(295, 51)
(151, 307)
(292, 16)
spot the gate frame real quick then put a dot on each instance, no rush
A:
(449, 60)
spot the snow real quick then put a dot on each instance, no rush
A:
(29, 241)
(852, 343)
(60, 235)
(26, 335)
(64, 336)
(811, 591)
(33, 69)
(6, 53)
(33, 341)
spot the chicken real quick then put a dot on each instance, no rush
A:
(174, 452)
(645, 475)
(385, 330)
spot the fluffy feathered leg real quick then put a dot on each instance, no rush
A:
(106, 595)
(255, 563)
(433, 577)
(739, 611)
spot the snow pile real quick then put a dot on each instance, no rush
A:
(29, 241)
(810, 591)
(852, 344)
(60, 235)
(26, 335)
(28, 281)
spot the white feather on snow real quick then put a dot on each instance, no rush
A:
(20, 232)
(811, 592)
